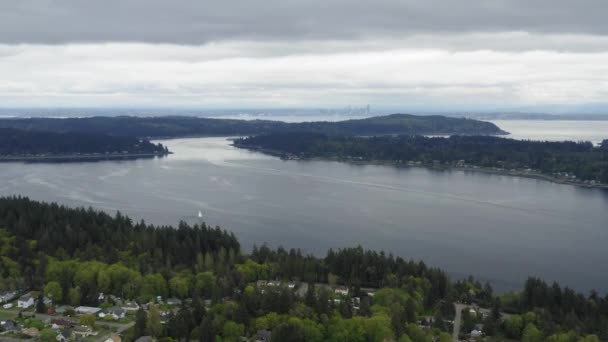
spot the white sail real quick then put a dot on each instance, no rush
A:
(200, 214)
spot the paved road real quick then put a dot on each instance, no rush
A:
(457, 320)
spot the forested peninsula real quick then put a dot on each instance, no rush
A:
(28, 145)
(176, 126)
(90, 271)
(579, 163)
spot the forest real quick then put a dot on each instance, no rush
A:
(579, 159)
(73, 254)
(18, 143)
(181, 126)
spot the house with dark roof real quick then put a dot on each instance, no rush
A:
(64, 335)
(6, 296)
(10, 325)
(60, 323)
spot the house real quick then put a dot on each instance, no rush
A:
(261, 283)
(341, 290)
(64, 335)
(355, 302)
(83, 331)
(262, 336)
(31, 332)
(87, 310)
(10, 325)
(63, 309)
(116, 300)
(114, 312)
(174, 301)
(476, 333)
(6, 296)
(427, 322)
(164, 316)
(25, 301)
(113, 338)
(61, 324)
(130, 306)
(46, 300)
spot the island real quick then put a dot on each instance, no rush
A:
(579, 163)
(78, 273)
(182, 126)
(33, 146)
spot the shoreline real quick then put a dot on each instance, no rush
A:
(79, 157)
(503, 172)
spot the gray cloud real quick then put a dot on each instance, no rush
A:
(199, 22)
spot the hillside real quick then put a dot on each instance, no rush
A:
(178, 126)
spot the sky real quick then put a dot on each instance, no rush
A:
(417, 55)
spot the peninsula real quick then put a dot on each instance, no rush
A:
(36, 146)
(179, 126)
(578, 163)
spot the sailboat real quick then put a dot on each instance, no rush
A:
(200, 214)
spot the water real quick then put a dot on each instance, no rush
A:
(555, 130)
(498, 227)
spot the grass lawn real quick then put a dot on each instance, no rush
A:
(8, 314)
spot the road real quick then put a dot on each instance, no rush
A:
(457, 320)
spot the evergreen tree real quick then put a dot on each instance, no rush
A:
(140, 323)
(40, 306)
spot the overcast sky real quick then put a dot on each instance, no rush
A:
(410, 54)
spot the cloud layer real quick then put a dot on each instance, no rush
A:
(407, 54)
(199, 22)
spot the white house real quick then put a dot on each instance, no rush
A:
(341, 290)
(114, 312)
(25, 301)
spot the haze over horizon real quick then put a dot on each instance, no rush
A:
(417, 56)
